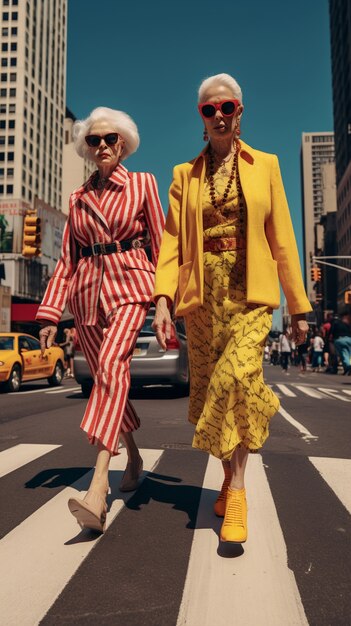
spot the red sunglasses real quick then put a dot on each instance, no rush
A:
(226, 107)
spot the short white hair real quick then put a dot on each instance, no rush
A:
(119, 121)
(220, 80)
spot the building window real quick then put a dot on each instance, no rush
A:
(2, 141)
(4, 62)
(14, 31)
(2, 124)
(14, 3)
(2, 108)
(14, 16)
(13, 62)
(11, 140)
(5, 3)
(1, 188)
(3, 93)
(5, 32)
(5, 17)
(10, 171)
(13, 78)
(9, 188)
(4, 47)
(10, 156)
(2, 171)
(12, 123)
(12, 92)
(2, 156)
(13, 47)
(3, 78)
(12, 108)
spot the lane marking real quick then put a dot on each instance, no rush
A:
(333, 393)
(348, 391)
(13, 458)
(247, 589)
(18, 394)
(67, 389)
(337, 474)
(309, 391)
(286, 391)
(49, 540)
(306, 435)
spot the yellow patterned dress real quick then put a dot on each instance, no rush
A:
(229, 401)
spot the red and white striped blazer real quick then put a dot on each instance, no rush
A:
(128, 205)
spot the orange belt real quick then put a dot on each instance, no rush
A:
(218, 244)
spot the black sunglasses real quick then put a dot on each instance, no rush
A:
(94, 140)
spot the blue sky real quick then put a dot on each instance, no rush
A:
(148, 58)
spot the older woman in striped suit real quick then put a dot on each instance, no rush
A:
(107, 280)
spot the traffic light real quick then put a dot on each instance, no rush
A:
(31, 235)
(347, 297)
(316, 274)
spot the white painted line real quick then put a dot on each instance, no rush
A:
(19, 394)
(254, 588)
(42, 554)
(286, 391)
(348, 391)
(309, 391)
(337, 473)
(65, 390)
(13, 458)
(333, 393)
(306, 435)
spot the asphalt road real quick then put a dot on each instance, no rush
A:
(160, 562)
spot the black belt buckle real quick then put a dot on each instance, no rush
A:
(96, 249)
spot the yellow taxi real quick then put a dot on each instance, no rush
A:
(21, 360)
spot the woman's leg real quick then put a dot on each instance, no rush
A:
(234, 527)
(238, 466)
(99, 481)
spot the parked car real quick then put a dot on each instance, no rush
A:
(21, 361)
(150, 364)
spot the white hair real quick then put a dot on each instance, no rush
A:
(220, 80)
(119, 121)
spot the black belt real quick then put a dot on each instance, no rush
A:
(109, 248)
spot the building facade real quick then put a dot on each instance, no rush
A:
(340, 40)
(32, 112)
(318, 194)
(75, 169)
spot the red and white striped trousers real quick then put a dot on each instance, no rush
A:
(108, 347)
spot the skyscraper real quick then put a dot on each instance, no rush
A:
(340, 38)
(32, 110)
(318, 191)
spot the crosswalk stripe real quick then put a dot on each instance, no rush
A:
(300, 427)
(337, 473)
(309, 391)
(13, 458)
(348, 391)
(51, 549)
(334, 393)
(250, 590)
(65, 390)
(286, 391)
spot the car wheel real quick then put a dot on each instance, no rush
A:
(87, 388)
(14, 382)
(56, 379)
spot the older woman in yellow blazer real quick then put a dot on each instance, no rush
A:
(228, 242)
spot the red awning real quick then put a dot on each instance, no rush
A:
(23, 312)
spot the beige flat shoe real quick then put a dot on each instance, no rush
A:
(130, 480)
(90, 512)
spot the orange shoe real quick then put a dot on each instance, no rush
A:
(234, 527)
(219, 505)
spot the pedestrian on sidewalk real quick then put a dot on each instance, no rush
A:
(317, 358)
(285, 350)
(105, 276)
(341, 334)
(228, 234)
(68, 351)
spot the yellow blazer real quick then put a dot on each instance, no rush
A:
(271, 246)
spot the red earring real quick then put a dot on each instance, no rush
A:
(205, 135)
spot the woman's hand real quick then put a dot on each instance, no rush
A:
(47, 337)
(162, 323)
(299, 328)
